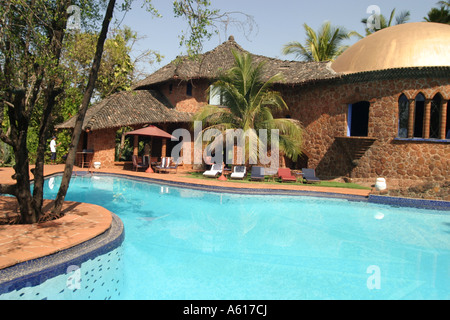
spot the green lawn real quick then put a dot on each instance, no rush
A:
(334, 184)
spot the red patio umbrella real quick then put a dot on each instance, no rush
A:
(151, 131)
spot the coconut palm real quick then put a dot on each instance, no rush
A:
(440, 15)
(325, 45)
(403, 17)
(250, 103)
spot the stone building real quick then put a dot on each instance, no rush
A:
(380, 110)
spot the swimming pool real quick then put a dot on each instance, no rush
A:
(182, 243)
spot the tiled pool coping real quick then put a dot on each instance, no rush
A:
(34, 272)
(410, 202)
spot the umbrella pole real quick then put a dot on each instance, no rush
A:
(222, 176)
(136, 145)
(149, 169)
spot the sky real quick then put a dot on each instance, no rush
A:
(277, 23)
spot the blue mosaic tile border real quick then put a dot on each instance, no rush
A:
(410, 202)
(35, 272)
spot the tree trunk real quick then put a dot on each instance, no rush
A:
(50, 94)
(27, 212)
(21, 111)
(122, 143)
(19, 132)
(84, 106)
(38, 172)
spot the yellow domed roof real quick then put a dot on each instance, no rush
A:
(419, 44)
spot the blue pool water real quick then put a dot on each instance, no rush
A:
(189, 244)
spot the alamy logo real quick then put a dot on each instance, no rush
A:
(74, 21)
(374, 280)
(73, 278)
(237, 145)
(374, 21)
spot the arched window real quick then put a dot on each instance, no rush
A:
(358, 119)
(403, 116)
(435, 117)
(189, 89)
(418, 116)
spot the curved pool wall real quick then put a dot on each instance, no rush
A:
(83, 270)
(409, 202)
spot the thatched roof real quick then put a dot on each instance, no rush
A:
(143, 106)
(129, 108)
(211, 63)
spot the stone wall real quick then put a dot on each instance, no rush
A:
(323, 111)
(427, 190)
(176, 92)
(103, 142)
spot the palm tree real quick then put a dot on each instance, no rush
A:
(440, 15)
(250, 103)
(403, 17)
(325, 45)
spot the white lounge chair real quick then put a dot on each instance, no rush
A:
(165, 164)
(215, 170)
(239, 172)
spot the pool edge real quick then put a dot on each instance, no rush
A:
(249, 191)
(439, 205)
(34, 272)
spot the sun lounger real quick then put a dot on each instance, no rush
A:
(310, 175)
(173, 168)
(145, 161)
(165, 163)
(137, 165)
(257, 173)
(216, 169)
(285, 175)
(239, 172)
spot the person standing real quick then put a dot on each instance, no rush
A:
(53, 146)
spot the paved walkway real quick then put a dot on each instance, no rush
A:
(19, 243)
(82, 222)
(184, 178)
